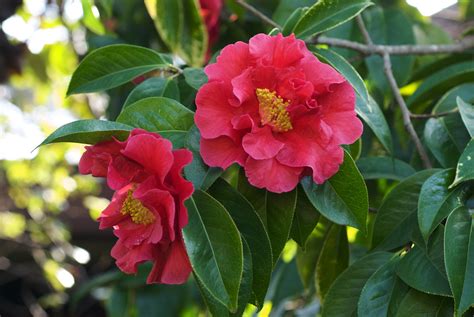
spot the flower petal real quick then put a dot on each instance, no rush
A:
(230, 63)
(261, 144)
(171, 266)
(222, 152)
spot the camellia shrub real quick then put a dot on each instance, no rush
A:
(341, 130)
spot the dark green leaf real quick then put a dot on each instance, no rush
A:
(305, 219)
(440, 143)
(417, 304)
(290, 23)
(214, 247)
(459, 258)
(88, 132)
(384, 167)
(181, 27)
(343, 198)
(198, 172)
(400, 290)
(118, 303)
(342, 297)
(333, 260)
(158, 114)
(112, 66)
(253, 230)
(396, 217)
(195, 77)
(376, 295)
(467, 115)
(327, 14)
(465, 167)
(153, 87)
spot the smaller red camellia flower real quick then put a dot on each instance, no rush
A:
(147, 211)
(272, 107)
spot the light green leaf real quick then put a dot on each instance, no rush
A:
(214, 248)
(88, 132)
(343, 198)
(384, 167)
(327, 14)
(153, 87)
(91, 22)
(467, 115)
(465, 167)
(112, 66)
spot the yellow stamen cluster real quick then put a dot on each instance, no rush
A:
(273, 111)
(139, 213)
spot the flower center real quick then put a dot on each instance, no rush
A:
(272, 109)
(139, 213)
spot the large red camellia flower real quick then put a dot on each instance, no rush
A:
(272, 107)
(147, 211)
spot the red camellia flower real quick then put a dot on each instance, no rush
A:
(147, 211)
(272, 107)
(210, 11)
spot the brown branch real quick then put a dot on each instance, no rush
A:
(258, 14)
(432, 115)
(363, 30)
(405, 112)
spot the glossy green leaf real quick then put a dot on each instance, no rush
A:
(440, 144)
(181, 27)
(112, 66)
(195, 77)
(342, 297)
(197, 171)
(440, 82)
(418, 304)
(343, 198)
(459, 258)
(275, 210)
(396, 217)
(333, 260)
(307, 259)
(305, 219)
(465, 167)
(384, 167)
(400, 290)
(214, 248)
(253, 230)
(88, 132)
(467, 115)
(327, 14)
(376, 295)
(153, 87)
(158, 114)
(436, 201)
(373, 116)
(290, 23)
(89, 19)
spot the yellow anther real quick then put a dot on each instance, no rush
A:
(139, 213)
(272, 109)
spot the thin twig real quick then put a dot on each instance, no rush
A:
(258, 14)
(396, 49)
(405, 112)
(432, 115)
(364, 31)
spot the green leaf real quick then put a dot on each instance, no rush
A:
(88, 132)
(118, 303)
(341, 299)
(307, 259)
(181, 27)
(343, 198)
(400, 290)
(436, 201)
(253, 230)
(195, 77)
(465, 167)
(373, 116)
(459, 257)
(327, 14)
(396, 217)
(333, 260)
(440, 144)
(112, 66)
(376, 295)
(214, 248)
(153, 87)
(275, 210)
(198, 172)
(384, 167)
(417, 304)
(290, 23)
(305, 219)
(440, 82)
(346, 69)
(90, 20)
(158, 114)
(467, 115)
